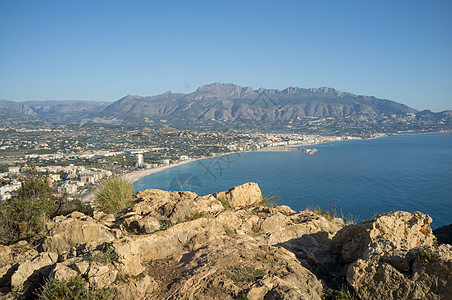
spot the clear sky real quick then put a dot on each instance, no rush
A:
(104, 50)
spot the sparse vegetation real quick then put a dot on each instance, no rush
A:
(426, 255)
(228, 229)
(76, 205)
(350, 219)
(256, 229)
(194, 216)
(74, 288)
(114, 194)
(345, 293)
(244, 274)
(269, 201)
(106, 256)
(224, 202)
(321, 212)
(165, 224)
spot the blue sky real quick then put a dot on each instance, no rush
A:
(104, 50)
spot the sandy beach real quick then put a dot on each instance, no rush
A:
(136, 175)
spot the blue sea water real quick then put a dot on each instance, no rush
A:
(363, 178)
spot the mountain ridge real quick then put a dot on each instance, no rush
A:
(217, 103)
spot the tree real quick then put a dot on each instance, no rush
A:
(25, 214)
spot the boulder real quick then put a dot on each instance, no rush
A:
(390, 276)
(28, 271)
(394, 230)
(175, 206)
(241, 196)
(66, 232)
(134, 288)
(100, 276)
(141, 225)
(62, 272)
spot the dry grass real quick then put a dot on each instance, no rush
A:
(114, 194)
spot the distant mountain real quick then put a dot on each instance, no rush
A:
(228, 102)
(48, 111)
(220, 104)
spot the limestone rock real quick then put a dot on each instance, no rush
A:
(141, 225)
(241, 196)
(5, 254)
(175, 206)
(232, 267)
(73, 229)
(100, 276)
(134, 288)
(210, 252)
(62, 272)
(23, 278)
(378, 277)
(393, 230)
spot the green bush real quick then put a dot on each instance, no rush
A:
(25, 214)
(114, 194)
(74, 288)
(228, 229)
(426, 255)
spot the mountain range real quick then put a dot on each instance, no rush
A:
(217, 102)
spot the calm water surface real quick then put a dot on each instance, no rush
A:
(363, 178)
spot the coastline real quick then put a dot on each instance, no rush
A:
(137, 175)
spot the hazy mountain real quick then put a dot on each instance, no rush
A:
(49, 111)
(216, 102)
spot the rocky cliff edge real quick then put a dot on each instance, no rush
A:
(178, 245)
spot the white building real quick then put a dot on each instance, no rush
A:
(140, 161)
(68, 188)
(13, 170)
(5, 191)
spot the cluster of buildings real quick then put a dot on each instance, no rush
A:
(65, 179)
(264, 142)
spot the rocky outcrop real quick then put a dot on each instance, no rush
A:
(422, 273)
(242, 195)
(178, 245)
(395, 230)
(29, 271)
(66, 232)
(392, 257)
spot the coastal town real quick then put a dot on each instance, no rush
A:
(76, 160)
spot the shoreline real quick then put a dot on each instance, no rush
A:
(137, 175)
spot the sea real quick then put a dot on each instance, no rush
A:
(360, 178)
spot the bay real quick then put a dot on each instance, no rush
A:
(362, 177)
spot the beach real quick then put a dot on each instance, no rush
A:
(136, 175)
